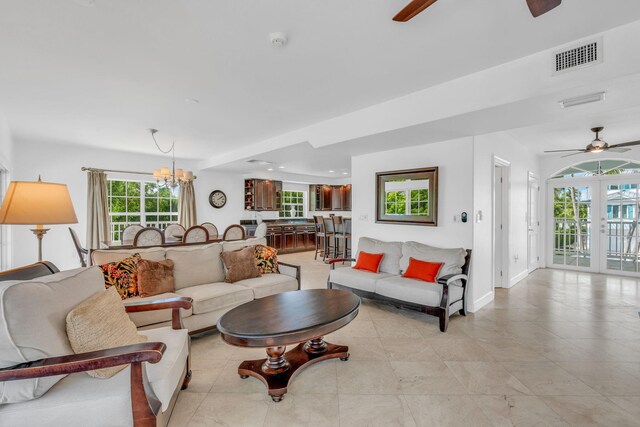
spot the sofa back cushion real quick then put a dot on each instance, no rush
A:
(196, 265)
(239, 244)
(101, 256)
(392, 253)
(453, 259)
(33, 324)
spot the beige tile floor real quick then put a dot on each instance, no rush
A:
(560, 348)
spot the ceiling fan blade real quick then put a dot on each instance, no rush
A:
(540, 7)
(561, 151)
(625, 144)
(573, 154)
(412, 9)
(618, 150)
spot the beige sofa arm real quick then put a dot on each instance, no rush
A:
(290, 270)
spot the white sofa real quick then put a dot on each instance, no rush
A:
(438, 299)
(199, 274)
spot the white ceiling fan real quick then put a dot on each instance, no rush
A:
(598, 146)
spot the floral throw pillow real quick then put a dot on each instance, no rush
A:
(122, 275)
(266, 259)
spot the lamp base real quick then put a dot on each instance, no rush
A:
(40, 232)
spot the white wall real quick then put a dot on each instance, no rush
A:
(522, 161)
(455, 178)
(62, 163)
(6, 144)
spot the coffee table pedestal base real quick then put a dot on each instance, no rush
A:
(303, 355)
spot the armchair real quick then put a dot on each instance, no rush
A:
(142, 397)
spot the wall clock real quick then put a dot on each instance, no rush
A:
(217, 199)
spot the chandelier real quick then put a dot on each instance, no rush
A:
(170, 177)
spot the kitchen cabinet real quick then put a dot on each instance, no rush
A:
(329, 197)
(288, 238)
(262, 195)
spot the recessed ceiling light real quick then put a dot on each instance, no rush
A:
(192, 101)
(270, 169)
(278, 39)
(280, 167)
(345, 173)
(331, 171)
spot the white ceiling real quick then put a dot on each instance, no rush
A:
(101, 75)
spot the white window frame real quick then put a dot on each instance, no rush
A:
(288, 205)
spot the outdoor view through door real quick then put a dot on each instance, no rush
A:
(595, 216)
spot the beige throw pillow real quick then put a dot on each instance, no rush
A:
(240, 264)
(155, 278)
(101, 322)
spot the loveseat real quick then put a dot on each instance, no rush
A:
(42, 381)
(199, 274)
(439, 299)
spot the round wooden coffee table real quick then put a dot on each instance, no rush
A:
(296, 317)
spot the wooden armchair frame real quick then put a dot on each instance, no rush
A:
(144, 403)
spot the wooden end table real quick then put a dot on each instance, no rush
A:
(296, 317)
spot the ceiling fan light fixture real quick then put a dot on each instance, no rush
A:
(581, 100)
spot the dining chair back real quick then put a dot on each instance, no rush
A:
(173, 231)
(234, 232)
(261, 230)
(130, 231)
(149, 236)
(211, 229)
(82, 252)
(196, 234)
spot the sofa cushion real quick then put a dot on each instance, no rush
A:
(214, 296)
(144, 318)
(453, 259)
(368, 262)
(100, 323)
(239, 244)
(240, 264)
(165, 375)
(266, 259)
(415, 291)
(122, 275)
(79, 400)
(196, 265)
(33, 324)
(269, 284)
(102, 256)
(423, 270)
(392, 253)
(357, 279)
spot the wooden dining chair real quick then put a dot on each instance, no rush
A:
(196, 234)
(149, 236)
(82, 252)
(234, 232)
(211, 229)
(172, 231)
(130, 231)
(261, 230)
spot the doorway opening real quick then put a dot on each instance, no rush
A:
(500, 223)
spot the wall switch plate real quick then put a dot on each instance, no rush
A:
(364, 217)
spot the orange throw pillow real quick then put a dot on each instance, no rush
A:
(423, 270)
(368, 262)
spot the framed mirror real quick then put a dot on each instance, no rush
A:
(407, 197)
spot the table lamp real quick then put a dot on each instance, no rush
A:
(37, 203)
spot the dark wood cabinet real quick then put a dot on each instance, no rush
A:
(262, 195)
(329, 197)
(291, 238)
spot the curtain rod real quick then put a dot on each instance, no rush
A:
(84, 168)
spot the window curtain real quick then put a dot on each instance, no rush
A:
(187, 206)
(98, 227)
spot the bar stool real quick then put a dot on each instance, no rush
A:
(319, 223)
(338, 229)
(329, 237)
(343, 233)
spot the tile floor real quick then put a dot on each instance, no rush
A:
(560, 348)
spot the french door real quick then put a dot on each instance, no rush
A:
(594, 224)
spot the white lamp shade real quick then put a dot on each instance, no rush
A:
(156, 173)
(165, 173)
(188, 176)
(37, 203)
(179, 173)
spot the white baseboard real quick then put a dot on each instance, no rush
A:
(480, 302)
(518, 277)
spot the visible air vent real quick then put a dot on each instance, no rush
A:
(578, 57)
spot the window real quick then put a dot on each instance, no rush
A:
(292, 204)
(139, 202)
(599, 167)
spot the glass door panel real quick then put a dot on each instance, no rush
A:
(572, 226)
(620, 227)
